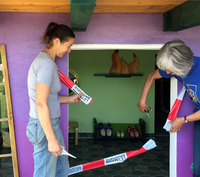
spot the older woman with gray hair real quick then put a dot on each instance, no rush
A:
(175, 59)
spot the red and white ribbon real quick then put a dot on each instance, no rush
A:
(174, 110)
(113, 159)
(67, 81)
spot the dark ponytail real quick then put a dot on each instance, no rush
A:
(54, 30)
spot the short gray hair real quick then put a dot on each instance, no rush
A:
(175, 57)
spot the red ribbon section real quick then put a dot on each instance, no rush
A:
(136, 152)
(174, 111)
(65, 80)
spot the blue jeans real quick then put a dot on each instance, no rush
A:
(45, 163)
(196, 147)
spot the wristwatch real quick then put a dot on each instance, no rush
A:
(185, 119)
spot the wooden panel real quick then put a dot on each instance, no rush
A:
(184, 16)
(81, 12)
(102, 6)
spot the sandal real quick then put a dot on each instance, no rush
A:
(102, 130)
(109, 130)
(130, 132)
(118, 133)
(122, 133)
(136, 132)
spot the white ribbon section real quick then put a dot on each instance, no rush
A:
(149, 145)
(84, 98)
(167, 125)
(181, 94)
(76, 169)
(115, 159)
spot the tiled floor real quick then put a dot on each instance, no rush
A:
(151, 163)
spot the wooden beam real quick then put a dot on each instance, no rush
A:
(4, 119)
(81, 12)
(5, 155)
(184, 16)
(133, 6)
(102, 6)
(44, 6)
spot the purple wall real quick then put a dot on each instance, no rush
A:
(184, 138)
(20, 32)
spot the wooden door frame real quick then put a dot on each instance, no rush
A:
(9, 113)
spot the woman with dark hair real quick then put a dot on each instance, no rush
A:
(43, 129)
(175, 59)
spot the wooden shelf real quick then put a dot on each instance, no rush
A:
(118, 75)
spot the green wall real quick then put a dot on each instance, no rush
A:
(115, 99)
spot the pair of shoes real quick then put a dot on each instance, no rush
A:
(133, 133)
(109, 130)
(105, 132)
(136, 132)
(120, 133)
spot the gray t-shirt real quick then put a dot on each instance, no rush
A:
(44, 70)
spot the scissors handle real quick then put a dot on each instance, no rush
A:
(147, 111)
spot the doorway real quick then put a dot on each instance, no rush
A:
(173, 86)
(162, 104)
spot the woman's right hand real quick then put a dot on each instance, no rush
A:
(75, 98)
(143, 106)
(148, 83)
(55, 147)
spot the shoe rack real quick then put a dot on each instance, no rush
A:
(141, 126)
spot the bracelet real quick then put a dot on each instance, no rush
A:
(185, 119)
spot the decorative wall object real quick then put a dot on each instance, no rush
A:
(116, 63)
(119, 66)
(124, 67)
(134, 65)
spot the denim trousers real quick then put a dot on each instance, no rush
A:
(196, 147)
(45, 163)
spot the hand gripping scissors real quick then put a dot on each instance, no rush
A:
(147, 112)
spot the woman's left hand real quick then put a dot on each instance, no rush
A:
(176, 125)
(75, 98)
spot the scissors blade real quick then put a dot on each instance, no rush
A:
(64, 152)
(147, 115)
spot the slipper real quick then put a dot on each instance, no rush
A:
(102, 130)
(122, 133)
(109, 130)
(118, 133)
(136, 132)
(130, 132)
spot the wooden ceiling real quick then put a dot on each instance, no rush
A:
(102, 6)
